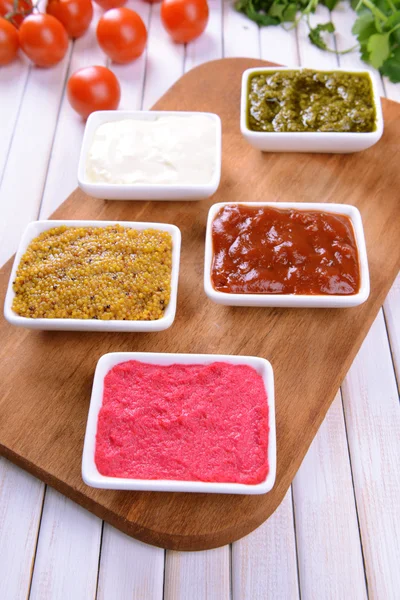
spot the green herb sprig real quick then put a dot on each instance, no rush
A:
(377, 30)
(377, 27)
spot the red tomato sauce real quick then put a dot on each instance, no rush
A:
(266, 250)
(183, 422)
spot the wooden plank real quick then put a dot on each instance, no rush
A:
(279, 45)
(372, 414)
(198, 576)
(62, 171)
(13, 78)
(22, 185)
(209, 45)
(392, 90)
(131, 76)
(60, 181)
(326, 517)
(21, 500)
(364, 465)
(310, 55)
(63, 166)
(392, 316)
(240, 35)
(165, 60)
(202, 574)
(264, 563)
(129, 569)
(392, 302)
(67, 553)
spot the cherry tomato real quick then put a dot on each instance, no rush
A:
(93, 88)
(15, 14)
(75, 15)
(9, 42)
(108, 4)
(43, 39)
(121, 34)
(184, 20)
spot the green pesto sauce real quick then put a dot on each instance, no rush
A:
(307, 100)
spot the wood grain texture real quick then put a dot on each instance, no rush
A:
(328, 540)
(66, 562)
(159, 77)
(201, 576)
(60, 179)
(392, 316)
(47, 376)
(33, 151)
(13, 78)
(21, 502)
(371, 407)
(129, 570)
(264, 563)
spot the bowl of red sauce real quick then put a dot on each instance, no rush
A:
(286, 254)
(181, 423)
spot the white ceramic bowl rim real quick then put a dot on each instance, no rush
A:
(293, 300)
(36, 227)
(90, 473)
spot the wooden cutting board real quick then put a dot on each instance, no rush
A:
(46, 377)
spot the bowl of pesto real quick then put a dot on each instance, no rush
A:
(306, 110)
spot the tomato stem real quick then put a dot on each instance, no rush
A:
(15, 12)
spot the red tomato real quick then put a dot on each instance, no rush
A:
(107, 4)
(184, 20)
(9, 42)
(75, 15)
(15, 14)
(43, 39)
(121, 34)
(93, 88)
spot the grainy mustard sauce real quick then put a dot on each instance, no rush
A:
(102, 273)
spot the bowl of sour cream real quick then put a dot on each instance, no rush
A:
(150, 155)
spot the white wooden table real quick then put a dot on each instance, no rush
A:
(337, 533)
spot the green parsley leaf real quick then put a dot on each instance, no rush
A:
(364, 26)
(290, 13)
(393, 23)
(256, 13)
(391, 67)
(379, 49)
(331, 4)
(276, 10)
(316, 37)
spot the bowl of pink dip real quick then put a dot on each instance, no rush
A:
(181, 423)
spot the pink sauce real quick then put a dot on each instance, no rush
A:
(183, 422)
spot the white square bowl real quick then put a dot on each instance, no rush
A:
(90, 473)
(37, 227)
(155, 191)
(292, 300)
(320, 141)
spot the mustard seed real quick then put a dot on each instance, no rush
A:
(104, 273)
